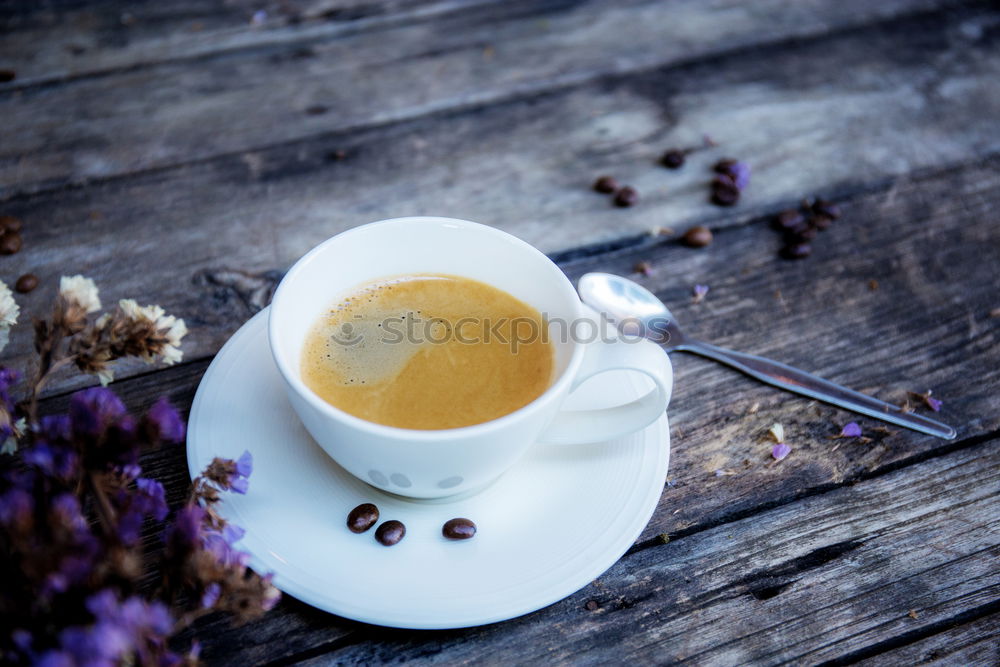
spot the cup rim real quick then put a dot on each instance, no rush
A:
(295, 382)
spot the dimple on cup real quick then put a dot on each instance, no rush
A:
(440, 463)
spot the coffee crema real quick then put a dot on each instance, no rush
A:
(428, 352)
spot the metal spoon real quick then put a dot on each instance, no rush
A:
(636, 310)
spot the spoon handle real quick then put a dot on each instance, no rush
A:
(800, 382)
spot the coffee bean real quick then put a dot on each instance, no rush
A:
(820, 222)
(606, 184)
(801, 233)
(724, 191)
(788, 219)
(827, 208)
(459, 529)
(724, 166)
(362, 518)
(697, 237)
(390, 532)
(10, 243)
(796, 251)
(9, 223)
(26, 283)
(627, 196)
(673, 159)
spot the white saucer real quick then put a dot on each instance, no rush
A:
(548, 527)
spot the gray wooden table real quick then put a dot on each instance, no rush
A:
(185, 153)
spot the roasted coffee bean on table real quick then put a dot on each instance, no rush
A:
(697, 237)
(9, 223)
(606, 184)
(797, 251)
(362, 517)
(627, 196)
(26, 283)
(390, 532)
(10, 243)
(459, 529)
(789, 219)
(724, 191)
(673, 159)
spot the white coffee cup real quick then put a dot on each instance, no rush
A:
(431, 464)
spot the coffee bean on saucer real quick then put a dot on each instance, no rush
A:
(606, 184)
(26, 283)
(459, 529)
(390, 532)
(627, 196)
(697, 237)
(10, 243)
(362, 518)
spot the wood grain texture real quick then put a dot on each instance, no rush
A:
(57, 41)
(833, 122)
(175, 112)
(926, 326)
(968, 644)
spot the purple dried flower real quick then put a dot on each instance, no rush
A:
(244, 464)
(151, 498)
(699, 292)
(184, 534)
(239, 485)
(737, 171)
(54, 428)
(129, 526)
(932, 403)
(54, 460)
(216, 544)
(740, 173)
(131, 470)
(92, 411)
(66, 511)
(850, 430)
(780, 451)
(164, 423)
(16, 507)
(211, 595)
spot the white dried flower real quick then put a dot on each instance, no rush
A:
(171, 328)
(778, 432)
(18, 429)
(80, 291)
(9, 310)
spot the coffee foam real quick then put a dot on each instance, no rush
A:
(355, 333)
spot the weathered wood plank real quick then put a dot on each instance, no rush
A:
(833, 122)
(969, 644)
(805, 583)
(174, 112)
(51, 41)
(927, 325)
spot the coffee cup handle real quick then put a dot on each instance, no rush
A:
(572, 427)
